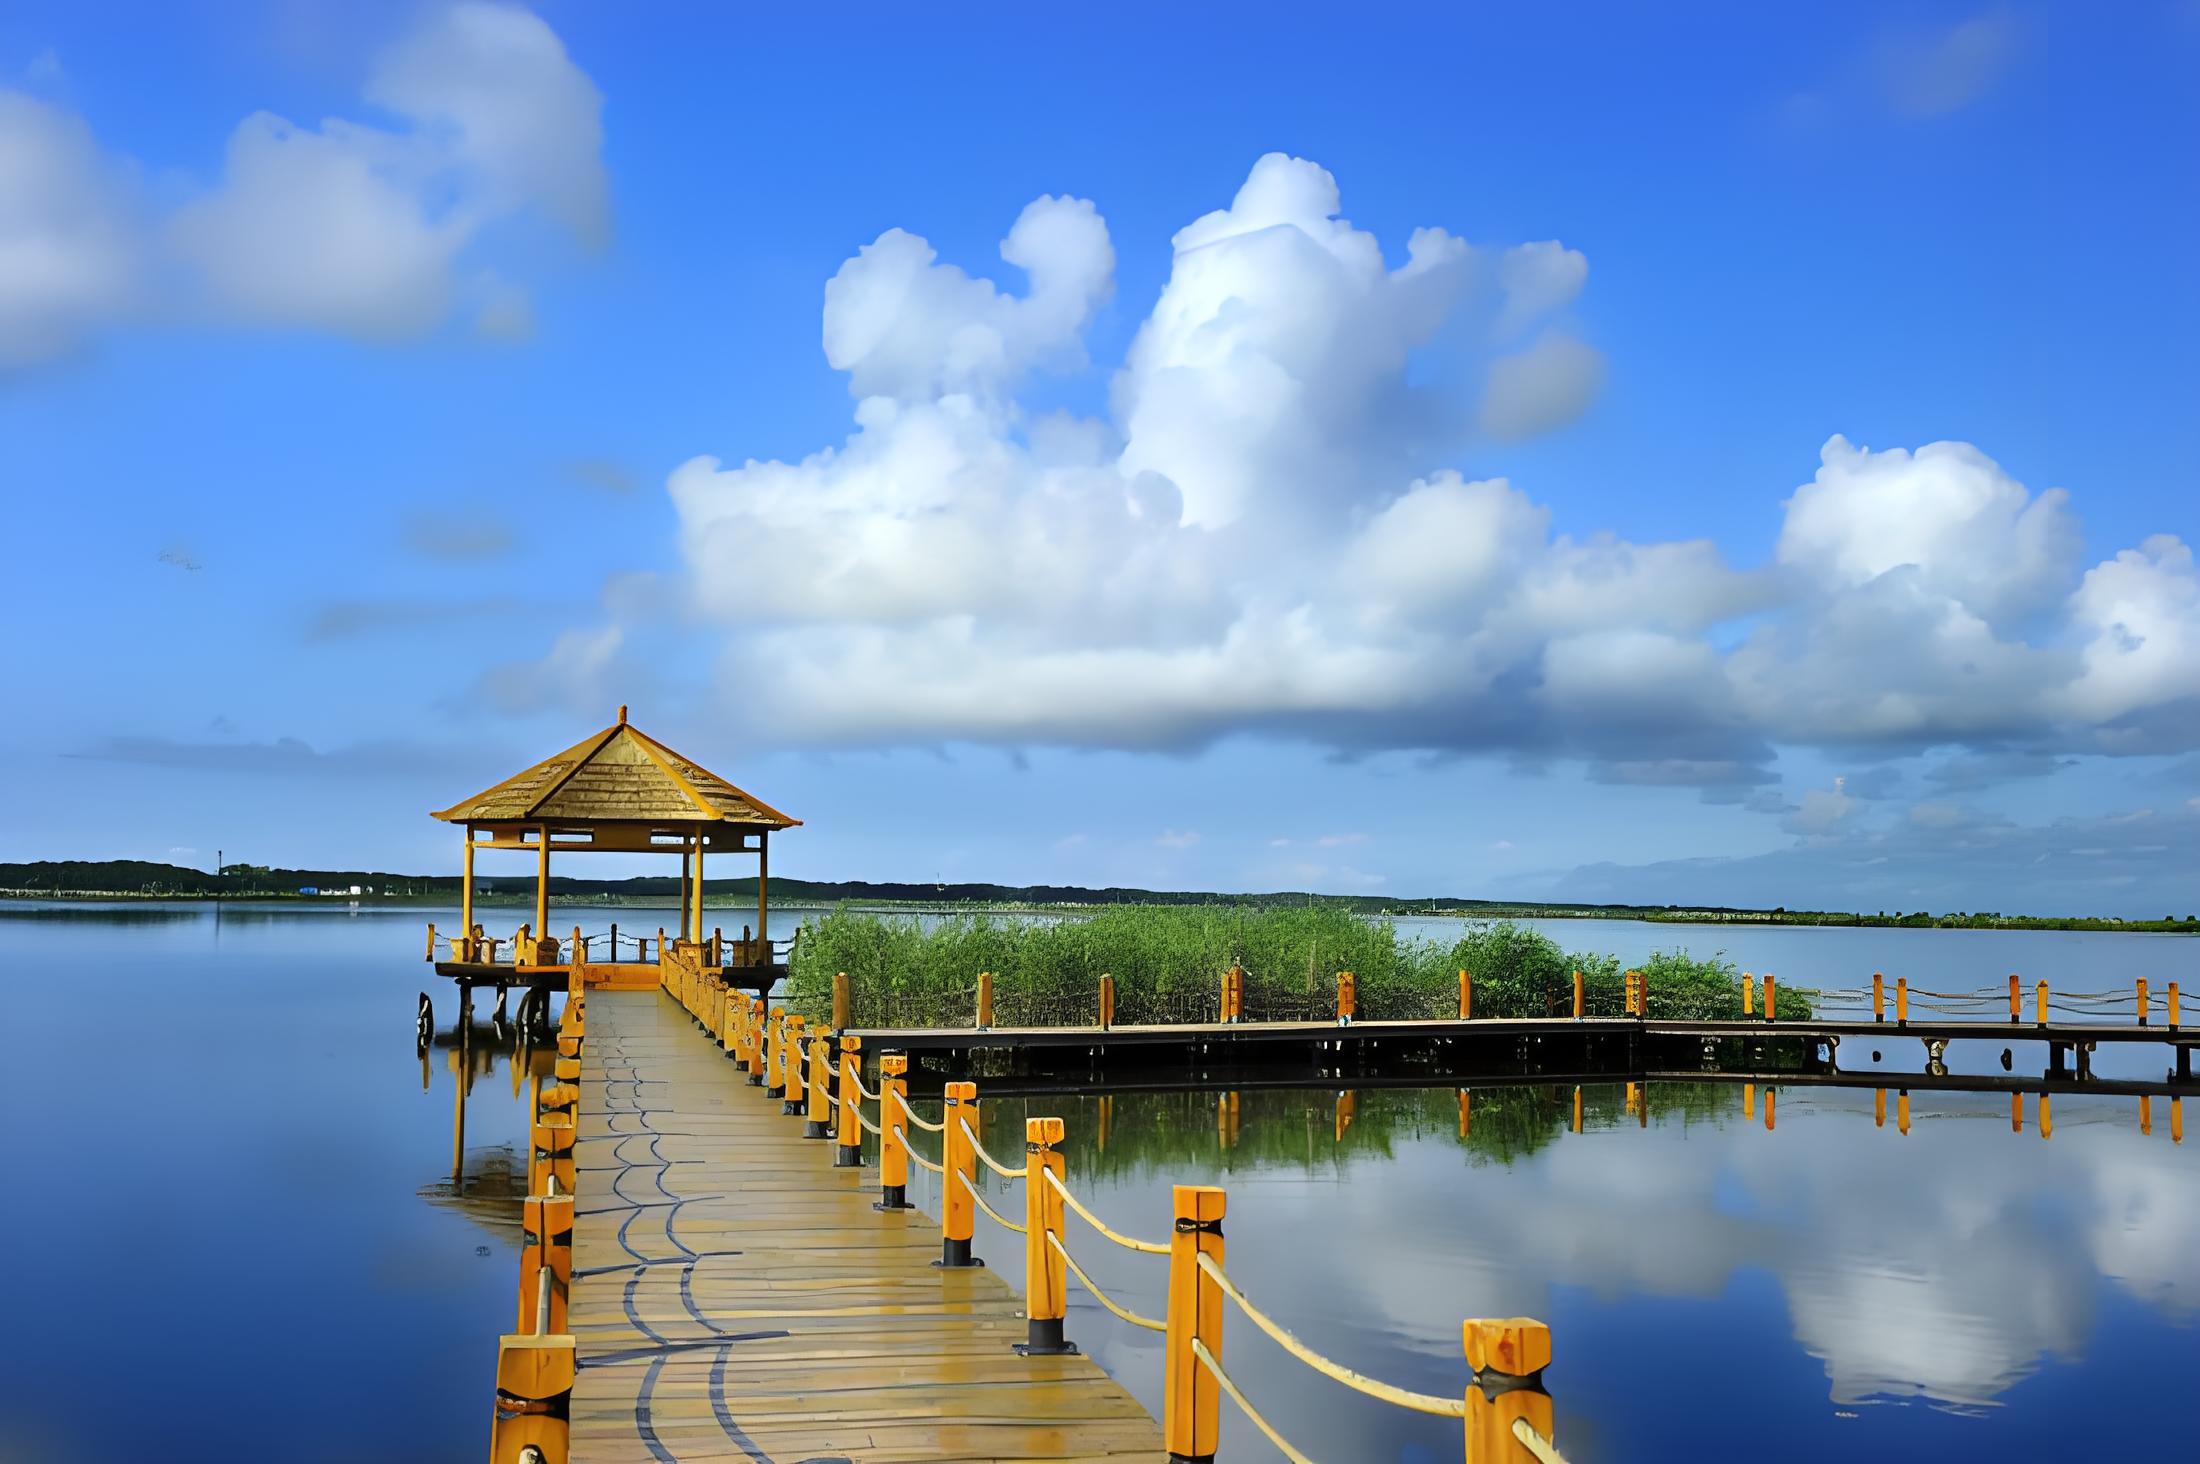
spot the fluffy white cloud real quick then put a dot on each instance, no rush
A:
(358, 230)
(69, 253)
(362, 230)
(1260, 537)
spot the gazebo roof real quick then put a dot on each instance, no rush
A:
(619, 775)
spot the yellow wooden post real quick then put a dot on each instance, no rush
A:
(959, 1171)
(848, 1141)
(1348, 1102)
(1191, 1400)
(698, 886)
(755, 1035)
(546, 1239)
(1771, 991)
(2016, 1113)
(466, 900)
(2172, 1003)
(1466, 995)
(550, 1145)
(1879, 1108)
(791, 1039)
(985, 1001)
(542, 877)
(762, 951)
(2141, 990)
(1226, 1119)
(2016, 1001)
(2146, 1114)
(893, 1123)
(1901, 1001)
(2040, 1000)
(736, 1003)
(818, 1123)
(1466, 1113)
(1508, 1356)
(535, 1375)
(1046, 1279)
(1772, 1101)
(1902, 1112)
(1749, 1100)
(775, 1065)
(843, 1002)
(1348, 998)
(1879, 997)
(1749, 996)
(1107, 1001)
(430, 956)
(2047, 1119)
(2176, 1120)
(1577, 1108)
(1579, 1004)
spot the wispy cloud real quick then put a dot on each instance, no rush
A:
(1933, 74)
(1177, 838)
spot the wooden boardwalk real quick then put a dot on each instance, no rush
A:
(735, 1296)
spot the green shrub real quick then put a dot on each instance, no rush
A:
(1167, 959)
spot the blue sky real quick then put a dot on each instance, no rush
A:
(1790, 396)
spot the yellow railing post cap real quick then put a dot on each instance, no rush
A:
(849, 1042)
(961, 1092)
(1515, 1347)
(1047, 1131)
(894, 1064)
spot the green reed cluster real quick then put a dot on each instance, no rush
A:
(1166, 960)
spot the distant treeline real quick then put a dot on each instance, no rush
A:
(143, 879)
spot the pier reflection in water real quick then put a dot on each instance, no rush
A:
(1729, 1269)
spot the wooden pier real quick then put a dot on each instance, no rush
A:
(737, 1296)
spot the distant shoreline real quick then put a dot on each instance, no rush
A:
(165, 884)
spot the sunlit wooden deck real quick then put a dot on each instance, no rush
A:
(736, 1296)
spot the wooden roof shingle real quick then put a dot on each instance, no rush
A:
(619, 775)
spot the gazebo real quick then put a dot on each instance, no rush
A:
(618, 791)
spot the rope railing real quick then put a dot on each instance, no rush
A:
(978, 1196)
(922, 1123)
(1213, 1366)
(1543, 1449)
(1128, 1242)
(1357, 1381)
(1055, 1242)
(985, 1158)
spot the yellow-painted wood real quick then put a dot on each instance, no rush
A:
(2040, 995)
(985, 1000)
(1466, 995)
(1771, 993)
(2016, 1000)
(546, 1239)
(1191, 1401)
(1879, 997)
(1348, 996)
(1046, 1279)
(1749, 998)
(893, 1121)
(2140, 996)
(535, 1376)
(1580, 1005)
(1107, 1001)
(1508, 1357)
(958, 1216)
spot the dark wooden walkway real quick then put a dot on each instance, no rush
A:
(735, 1296)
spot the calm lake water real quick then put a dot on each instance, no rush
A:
(230, 1154)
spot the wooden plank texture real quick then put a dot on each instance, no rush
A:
(736, 1297)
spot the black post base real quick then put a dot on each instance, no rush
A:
(955, 1256)
(844, 1158)
(816, 1129)
(756, 1080)
(1191, 1459)
(893, 1197)
(779, 1092)
(789, 1107)
(1045, 1339)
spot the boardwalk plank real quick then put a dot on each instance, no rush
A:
(772, 1313)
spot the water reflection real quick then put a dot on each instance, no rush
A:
(1945, 1260)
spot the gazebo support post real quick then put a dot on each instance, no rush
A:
(542, 881)
(466, 902)
(695, 933)
(763, 873)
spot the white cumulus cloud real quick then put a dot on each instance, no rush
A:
(1263, 534)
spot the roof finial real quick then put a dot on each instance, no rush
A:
(622, 714)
